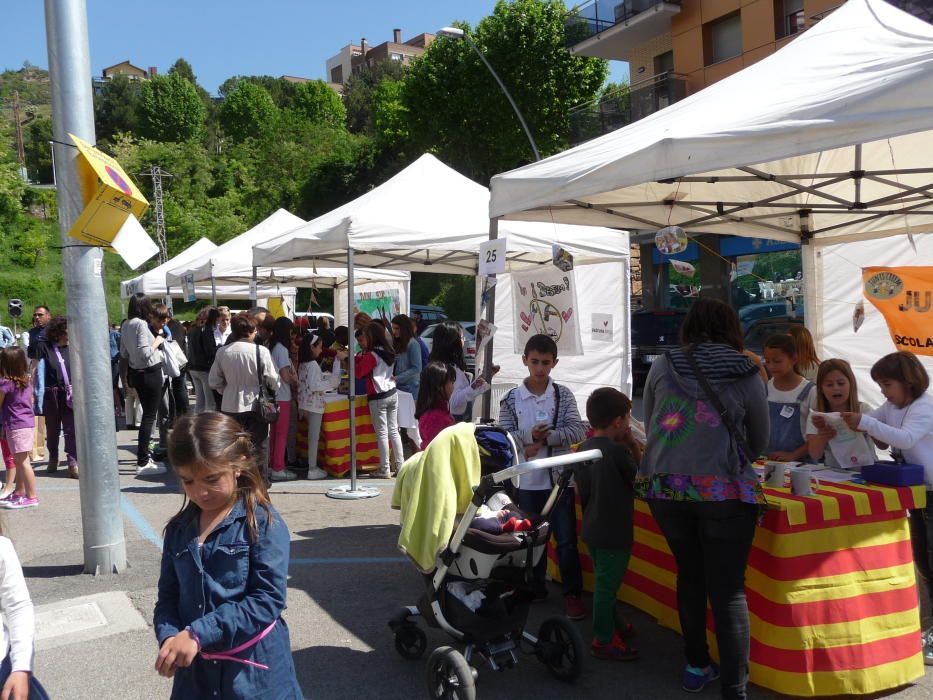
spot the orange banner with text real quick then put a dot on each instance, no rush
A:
(903, 295)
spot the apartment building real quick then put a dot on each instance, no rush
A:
(353, 58)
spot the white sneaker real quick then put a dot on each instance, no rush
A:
(284, 475)
(150, 469)
(315, 473)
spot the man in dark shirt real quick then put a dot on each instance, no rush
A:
(34, 351)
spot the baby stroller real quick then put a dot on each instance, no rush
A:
(480, 591)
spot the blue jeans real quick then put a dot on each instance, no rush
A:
(563, 520)
(36, 691)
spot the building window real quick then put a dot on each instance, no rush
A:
(789, 17)
(722, 39)
(396, 57)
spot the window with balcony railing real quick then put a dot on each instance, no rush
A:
(590, 18)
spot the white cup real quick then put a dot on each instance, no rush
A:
(774, 474)
(800, 481)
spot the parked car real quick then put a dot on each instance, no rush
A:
(428, 315)
(469, 341)
(752, 312)
(762, 329)
(653, 334)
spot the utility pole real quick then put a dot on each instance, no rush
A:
(73, 112)
(20, 143)
(156, 173)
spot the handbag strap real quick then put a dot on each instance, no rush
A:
(713, 398)
(259, 368)
(61, 363)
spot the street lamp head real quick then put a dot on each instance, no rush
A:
(451, 33)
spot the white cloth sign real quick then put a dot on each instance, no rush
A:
(601, 327)
(545, 301)
(187, 284)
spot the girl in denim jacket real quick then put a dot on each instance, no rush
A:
(224, 572)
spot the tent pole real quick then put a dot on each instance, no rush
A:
(491, 317)
(254, 288)
(343, 492)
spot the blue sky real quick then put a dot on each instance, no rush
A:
(222, 38)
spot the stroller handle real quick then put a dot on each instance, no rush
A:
(546, 463)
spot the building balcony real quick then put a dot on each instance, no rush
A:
(622, 107)
(610, 29)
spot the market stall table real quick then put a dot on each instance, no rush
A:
(334, 443)
(830, 583)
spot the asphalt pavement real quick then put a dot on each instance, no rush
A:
(346, 579)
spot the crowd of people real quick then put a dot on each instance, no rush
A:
(709, 413)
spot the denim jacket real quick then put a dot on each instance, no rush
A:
(228, 590)
(408, 368)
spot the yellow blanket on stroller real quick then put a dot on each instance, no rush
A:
(433, 487)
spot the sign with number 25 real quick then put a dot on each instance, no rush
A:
(492, 257)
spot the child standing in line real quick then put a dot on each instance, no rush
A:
(313, 383)
(808, 364)
(223, 581)
(17, 636)
(788, 400)
(905, 423)
(18, 423)
(608, 500)
(543, 419)
(837, 391)
(433, 406)
(374, 364)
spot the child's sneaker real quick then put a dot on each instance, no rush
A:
(150, 468)
(23, 502)
(616, 650)
(282, 475)
(9, 498)
(316, 473)
(696, 679)
(574, 608)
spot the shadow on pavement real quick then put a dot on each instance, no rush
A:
(53, 571)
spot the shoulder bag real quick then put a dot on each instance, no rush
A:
(265, 406)
(745, 454)
(169, 361)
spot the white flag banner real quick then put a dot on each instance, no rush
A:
(545, 301)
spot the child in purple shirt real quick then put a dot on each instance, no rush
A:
(18, 424)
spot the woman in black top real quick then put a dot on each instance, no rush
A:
(54, 383)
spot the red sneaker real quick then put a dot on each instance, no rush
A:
(574, 608)
(616, 650)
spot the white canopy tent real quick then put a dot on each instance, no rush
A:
(825, 142)
(230, 265)
(152, 283)
(431, 218)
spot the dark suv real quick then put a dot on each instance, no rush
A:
(764, 328)
(653, 334)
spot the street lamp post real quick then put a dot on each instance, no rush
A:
(459, 34)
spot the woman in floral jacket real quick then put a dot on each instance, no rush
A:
(701, 487)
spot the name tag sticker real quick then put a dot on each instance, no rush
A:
(787, 411)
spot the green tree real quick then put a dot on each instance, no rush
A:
(12, 186)
(36, 139)
(116, 108)
(170, 109)
(390, 116)
(456, 109)
(183, 69)
(358, 94)
(282, 91)
(318, 103)
(247, 111)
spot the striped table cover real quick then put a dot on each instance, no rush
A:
(830, 584)
(334, 443)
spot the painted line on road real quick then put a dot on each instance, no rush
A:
(318, 561)
(140, 522)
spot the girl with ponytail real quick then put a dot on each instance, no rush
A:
(224, 572)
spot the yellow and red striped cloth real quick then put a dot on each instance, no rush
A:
(830, 584)
(334, 443)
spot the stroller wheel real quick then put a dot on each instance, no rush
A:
(450, 676)
(560, 648)
(410, 641)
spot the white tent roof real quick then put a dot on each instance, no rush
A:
(152, 283)
(838, 123)
(230, 264)
(429, 217)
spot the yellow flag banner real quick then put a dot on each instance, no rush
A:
(903, 295)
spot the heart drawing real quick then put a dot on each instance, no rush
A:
(567, 314)
(526, 319)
